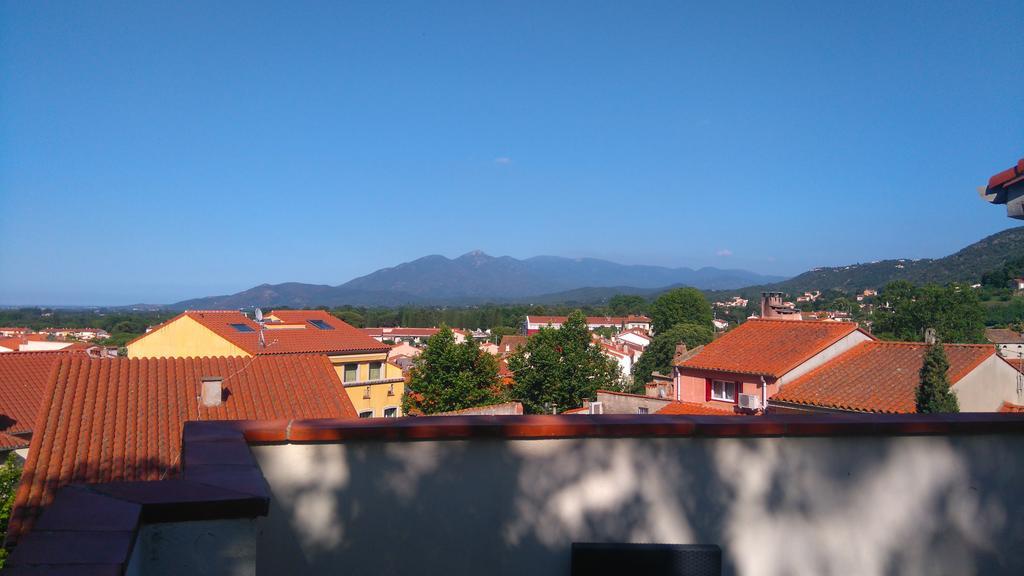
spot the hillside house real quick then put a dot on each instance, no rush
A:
(1010, 343)
(758, 357)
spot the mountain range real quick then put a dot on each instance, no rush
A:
(477, 278)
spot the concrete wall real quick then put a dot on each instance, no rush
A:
(629, 403)
(222, 547)
(988, 386)
(866, 505)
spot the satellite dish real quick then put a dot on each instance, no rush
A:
(259, 315)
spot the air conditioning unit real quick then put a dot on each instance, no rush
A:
(750, 402)
(596, 408)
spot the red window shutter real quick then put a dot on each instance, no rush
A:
(707, 381)
(737, 387)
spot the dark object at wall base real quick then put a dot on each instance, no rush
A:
(646, 559)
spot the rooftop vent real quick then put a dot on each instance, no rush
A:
(213, 391)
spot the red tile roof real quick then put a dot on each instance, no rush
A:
(617, 320)
(23, 380)
(1003, 336)
(768, 347)
(8, 442)
(1007, 176)
(303, 338)
(121, 419)
(695, 409)
(1011, 408)
(877, 377)
(401, 332)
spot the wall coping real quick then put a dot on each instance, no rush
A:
(620, 426)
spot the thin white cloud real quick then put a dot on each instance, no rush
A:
(503, 160)
(724, 252)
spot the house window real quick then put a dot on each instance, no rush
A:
(375, 370)
(351, 373)
(724, 391)
(641, 410)
(366, 414)
(391, 412)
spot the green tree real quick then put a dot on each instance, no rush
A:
(657, 357)
(933, 393)
(560, 368)
(10, 474)
(954, 311)
(451, 376)
(623, 304)
(678, 306)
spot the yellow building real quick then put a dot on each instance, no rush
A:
(374, 385)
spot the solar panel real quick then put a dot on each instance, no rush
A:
(242, 327)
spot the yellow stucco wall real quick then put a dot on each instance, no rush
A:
(182, 338)
(371, 397)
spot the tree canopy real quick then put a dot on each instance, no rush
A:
(933, 393)
(451, 376)
(954, 311)
(559, 368)
(657, 357)
(679, 306)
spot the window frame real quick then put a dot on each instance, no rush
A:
(380, 371)
(724, 398)
(368, 413)
(385, 412)
(344, 373)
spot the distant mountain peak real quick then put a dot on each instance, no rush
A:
(475, 254)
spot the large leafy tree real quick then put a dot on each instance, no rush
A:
(954, 311)
(933, 393)
(678, 306)
(559, 368)
(623, 304)
(451, 376)
(657, 357)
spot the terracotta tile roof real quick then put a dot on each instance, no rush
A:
(768, 347)
(23, 380)
(1003, 336)
(510, 344)
(304, 338)
(1017, 363)
(877, 377)
(694, 408)
(1011, 408)
(121, 419)
(1008, 176)
(401, 332)
(617, 320)
(8, 442)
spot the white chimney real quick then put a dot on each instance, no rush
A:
(212, 391)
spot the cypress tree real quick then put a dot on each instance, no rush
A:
(933, 393)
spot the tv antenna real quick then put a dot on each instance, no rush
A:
(259, 320)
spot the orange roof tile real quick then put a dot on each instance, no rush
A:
(768, 347)
(23, 380)
(9, 442)
(694, 408)
(304, 338)
(1011, 408)
(877, 377)
(121, 419)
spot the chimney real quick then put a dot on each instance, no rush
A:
(212, 391)
(769, 301)
(929, 336)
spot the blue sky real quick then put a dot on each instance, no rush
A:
(151, 152)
